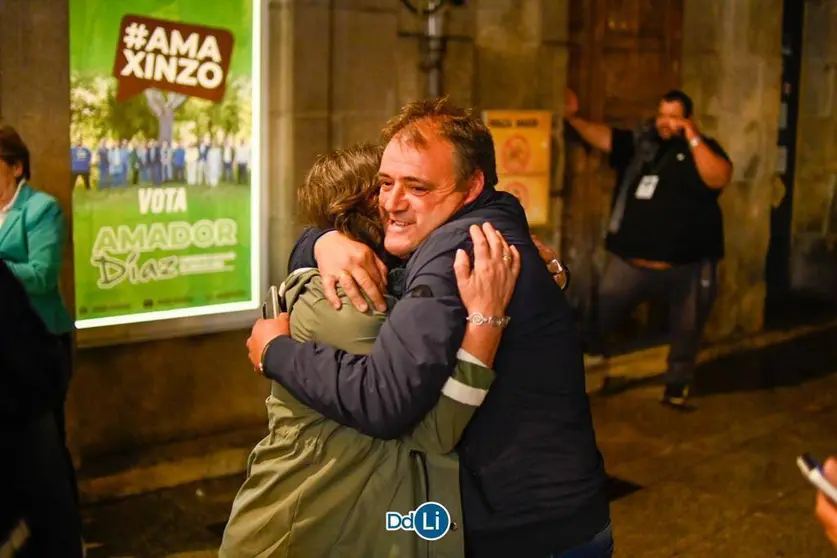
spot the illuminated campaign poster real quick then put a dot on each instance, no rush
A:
(165, 100)
(522, 143)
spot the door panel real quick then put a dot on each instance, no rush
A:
(624, 54)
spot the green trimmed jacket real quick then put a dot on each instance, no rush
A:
(316, 488)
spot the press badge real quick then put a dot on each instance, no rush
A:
(647, 186)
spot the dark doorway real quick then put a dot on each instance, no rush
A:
(624, 54)
(784, 306)
(777, 272)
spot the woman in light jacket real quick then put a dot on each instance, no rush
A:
(316, 488)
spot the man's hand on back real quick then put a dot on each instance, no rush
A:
(826, 509)
(265, 331)
(550, 257)
(355, 267)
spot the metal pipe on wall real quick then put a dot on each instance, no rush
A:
(432, 43)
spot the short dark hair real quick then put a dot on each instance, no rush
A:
(341, 192)
(471, 138)
(676, 95)
(13, 150)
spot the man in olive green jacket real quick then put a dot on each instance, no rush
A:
(316, 488)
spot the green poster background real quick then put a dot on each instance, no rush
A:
(120, 136)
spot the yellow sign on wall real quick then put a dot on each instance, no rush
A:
(522, 142)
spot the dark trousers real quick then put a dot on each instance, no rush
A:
(689, 289)
(41, 490)
(85, 176)
(60, 413)
(600, 546)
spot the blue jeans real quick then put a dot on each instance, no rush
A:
(600, 546)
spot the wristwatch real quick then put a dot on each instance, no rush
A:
(494, 321)
(694, 142)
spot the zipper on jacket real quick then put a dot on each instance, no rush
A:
(422, 460)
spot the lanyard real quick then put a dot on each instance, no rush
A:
(663, 162)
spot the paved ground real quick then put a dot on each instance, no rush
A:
(719, 481)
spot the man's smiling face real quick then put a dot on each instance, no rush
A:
(420, 188)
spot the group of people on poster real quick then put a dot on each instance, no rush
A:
(139, 162)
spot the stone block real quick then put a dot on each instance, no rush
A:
(818, 88)
(764, 30)
(410, 79)
(367, 5)
(352, 128)
(702, 27)
(813, 143)
(458, 72)
(311, 58)
(813, 195)
(310, 138)
(820, 30)
(552, 78)
(206, 379)
(555, 24)
(504, 78)
(364, 61)
(701, 79)
(509, 25)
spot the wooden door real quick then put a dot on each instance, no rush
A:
(624, 54)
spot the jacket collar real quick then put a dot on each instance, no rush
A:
(488, 194)
(13, 202)
(24, 192)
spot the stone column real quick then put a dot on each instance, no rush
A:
(732, 69)
(814, 224)
(522, 59)
(35, 97)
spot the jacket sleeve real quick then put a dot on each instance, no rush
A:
(302, 254)
(386, 393)
(44, 230)
(440, 430)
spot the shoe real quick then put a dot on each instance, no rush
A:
(676, 395)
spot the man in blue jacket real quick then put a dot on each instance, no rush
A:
(80, 158)
(532, 477)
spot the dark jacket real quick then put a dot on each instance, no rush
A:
(532, 477)
(31, 359)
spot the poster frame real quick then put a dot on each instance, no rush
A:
(212, 319)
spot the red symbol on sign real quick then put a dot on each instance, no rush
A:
(515, 154)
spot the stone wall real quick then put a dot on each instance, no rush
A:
(129, 395)
(337, 70)
(333, 87)
(814, 224)
(732, 69)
